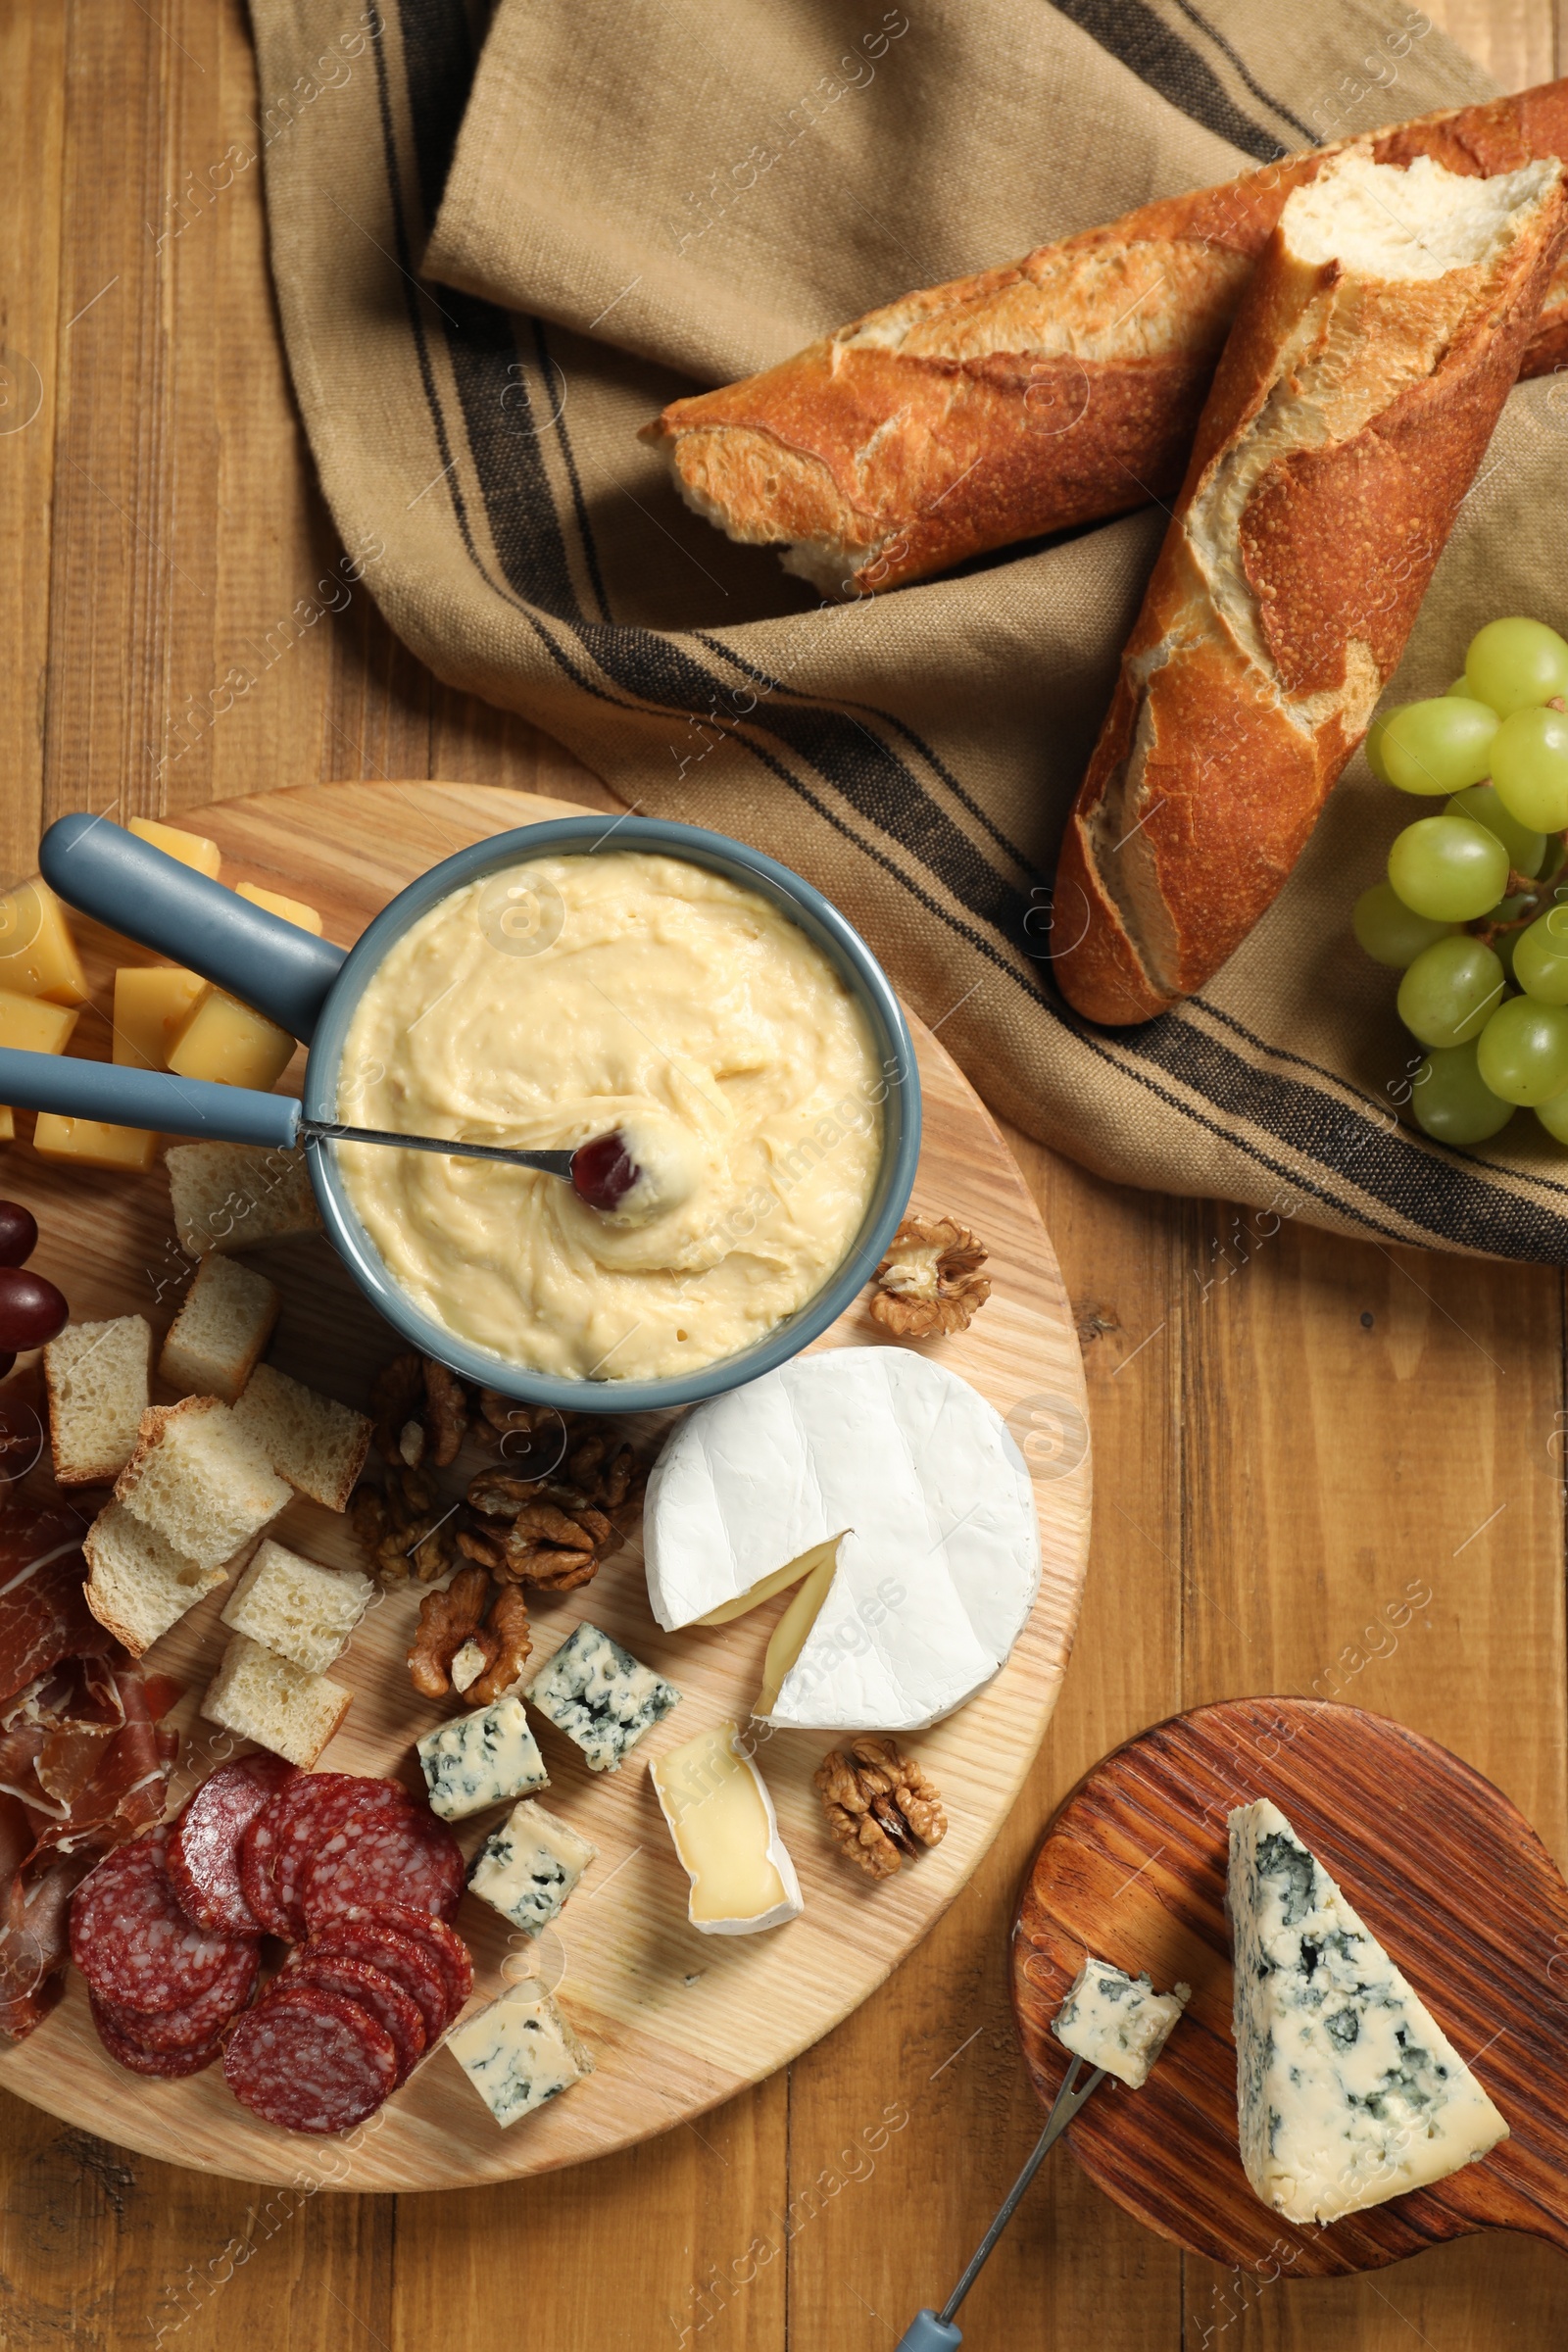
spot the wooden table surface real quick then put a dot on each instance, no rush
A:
(1322, 1466)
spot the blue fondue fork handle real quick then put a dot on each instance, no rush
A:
(155, 1098)
(147, 896)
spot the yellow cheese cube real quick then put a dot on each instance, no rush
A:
(34, 1026)
(92, 1144)
(292, 910)
(191, 848)
(37, 955)
(225, 1040)
(152, 1003)
(7, 1124)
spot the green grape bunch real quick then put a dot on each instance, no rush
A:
(1474, 913)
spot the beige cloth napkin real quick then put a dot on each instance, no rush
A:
(494, 263)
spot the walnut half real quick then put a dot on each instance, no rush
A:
(930, 1280)
(465, 1617)
(880, 1806)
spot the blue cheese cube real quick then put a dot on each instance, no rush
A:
(1118, 2022)
(526, 1869)
(480, 1760)
(597, 1693)
(518, 2053)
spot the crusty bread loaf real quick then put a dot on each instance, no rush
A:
(1051, 392)
(199, 1480)
(296, 1607)
(266, 1698)
(233, 1196)
(96, 1376)
(317, 1444)
(140, 1585)
(216, 1341)
(1357, 392)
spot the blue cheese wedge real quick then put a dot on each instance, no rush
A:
(480, 1760)
(1349, 2092)
(526, 1869)
(597, 1693)
(519, 2053)
(1118, 2022)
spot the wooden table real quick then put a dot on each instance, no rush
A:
(1295, 1434)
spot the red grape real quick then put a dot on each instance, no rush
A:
(603, 1172)
(32, 1310)
(19, 1234)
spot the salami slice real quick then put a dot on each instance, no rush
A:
(441, 1944)
(300, 1807)
(331, 1799)
(409, 1965)
(195, 2023)
(309, 2060)
(373, 1859)
(204, 1849)
(129, 1937)
(167, 2066)
(391, 2007)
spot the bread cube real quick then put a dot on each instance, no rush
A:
(96, 1378)
(303, 1611)
(216, 1341)
(140, 1585)
(317, 1444)
(264, 1697)
(199, 1480)
(232, 1196)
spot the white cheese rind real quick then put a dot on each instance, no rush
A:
(1349, 2090)
(939, 1561)
(706, 1770)
(600, 1696)
(481, 1759)
(1118, 2022)
(519, 2053)
(527, 1867)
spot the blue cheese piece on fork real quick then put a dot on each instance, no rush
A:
(1118, 2022)
(1349, 2090)
(600, 1696)
(518, 2053)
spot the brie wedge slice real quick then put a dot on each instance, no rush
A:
(721, 1818)
(891, 1496)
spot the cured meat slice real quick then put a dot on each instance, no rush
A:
(391, 2007)
(168, 2066)
(203, 1857)
(443, 1946)
(261, 1843)
(319, 1826)
(197, 2022)
(410, 1964)
(44, 1615)
(308, 2060)
(129, 1937)
(407, 1858)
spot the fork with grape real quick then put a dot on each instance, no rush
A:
(1474, 913)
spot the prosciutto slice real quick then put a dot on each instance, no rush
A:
(85, 1761)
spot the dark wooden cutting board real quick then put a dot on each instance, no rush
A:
(1445, 1871)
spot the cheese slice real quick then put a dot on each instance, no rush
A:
(1349, 2090)
(1118, 2022)
(721, 1818)
(896, 1468)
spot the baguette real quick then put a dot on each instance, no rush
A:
(1369, 361)
(1057, 391)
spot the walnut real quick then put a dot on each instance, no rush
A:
(403, 1525)
(880, 1806)
(470, 1617)
(554, 1548)
(553, 1531)
(930, 1280)
(421, 1412)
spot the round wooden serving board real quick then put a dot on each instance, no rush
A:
(1445, 1871)
(677, 2021)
